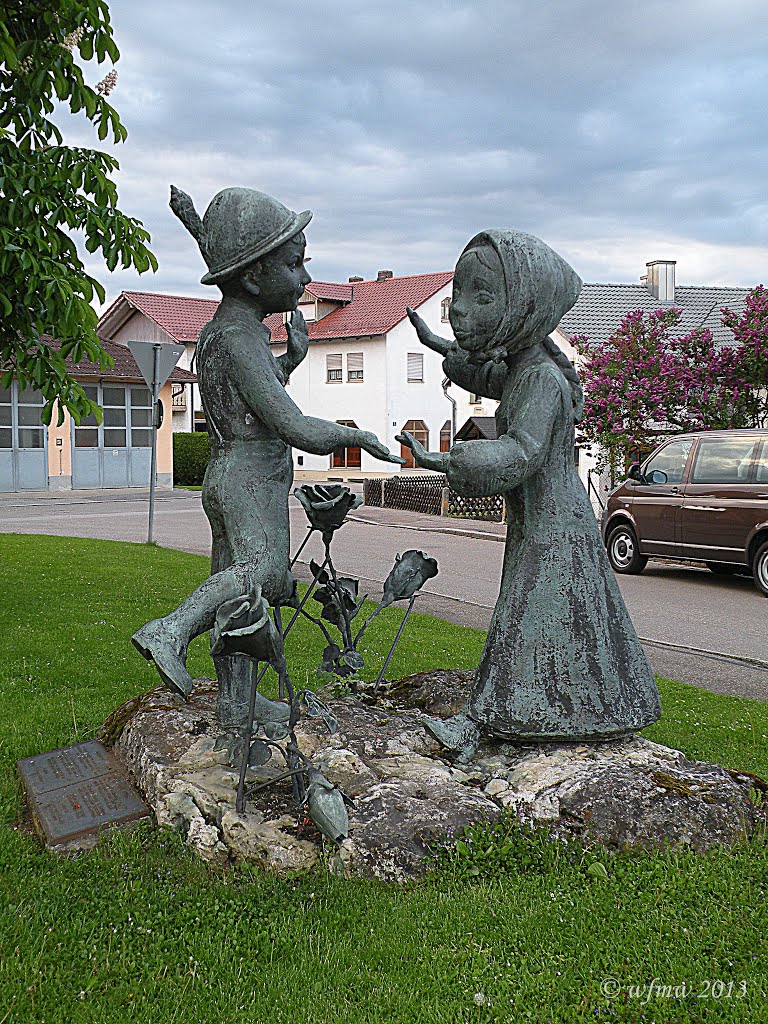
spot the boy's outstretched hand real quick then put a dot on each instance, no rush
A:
(426, 336)
(374, 447)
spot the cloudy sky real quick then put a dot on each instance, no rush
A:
(619, 133)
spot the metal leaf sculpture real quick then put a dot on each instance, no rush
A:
(317, 708)
(327, 807)
(259, 754)
(339, 599)
(244, 626)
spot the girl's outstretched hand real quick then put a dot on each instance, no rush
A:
(425, 459)
(426, 336)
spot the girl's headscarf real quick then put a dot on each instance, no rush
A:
(539, 288)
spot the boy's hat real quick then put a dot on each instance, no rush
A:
(239, 226)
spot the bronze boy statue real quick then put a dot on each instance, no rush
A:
(254, 249)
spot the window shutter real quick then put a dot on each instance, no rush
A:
(415, 367)
(354, 366)
(333, 366)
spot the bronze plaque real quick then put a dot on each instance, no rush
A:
(77, 791)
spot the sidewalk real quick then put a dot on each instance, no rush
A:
(16, 499)
(400, 519)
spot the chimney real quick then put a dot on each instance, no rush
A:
(355, 280)
(384, 275)
(660, 280)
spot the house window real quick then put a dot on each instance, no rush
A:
(475, 399)
(415, 367)
(445, 305)
(419, 430)
(354, 366)
(346, 458)
(333, 368)
(445, 436)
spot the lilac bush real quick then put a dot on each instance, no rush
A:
(646, 380)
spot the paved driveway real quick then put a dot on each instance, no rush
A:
(697, 627)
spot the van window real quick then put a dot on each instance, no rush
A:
(671, 461)
(762, 465)
(723, 462)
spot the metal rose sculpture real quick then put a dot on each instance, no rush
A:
(327, 807)
(244, 626)
(326, 510)
(327, 506)
(410, 572)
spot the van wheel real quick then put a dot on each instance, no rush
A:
(624, 551)
(760, 569)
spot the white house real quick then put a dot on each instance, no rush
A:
(365, 365)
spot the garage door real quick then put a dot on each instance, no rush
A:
(116, 452)
(23, 440)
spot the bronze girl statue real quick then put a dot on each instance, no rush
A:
(562, 661)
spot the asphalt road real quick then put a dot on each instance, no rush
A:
(697, 627)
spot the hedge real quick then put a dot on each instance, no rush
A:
(191, 453)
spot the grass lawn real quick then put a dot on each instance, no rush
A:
(139, 930)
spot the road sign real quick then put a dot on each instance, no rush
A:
(167, 357)
(156, 361)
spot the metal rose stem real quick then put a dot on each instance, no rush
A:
(302, 546)
(240, 801)
(286, 686)
(309, 591)
(394, 643)
(293, 618)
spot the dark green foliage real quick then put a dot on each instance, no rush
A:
(508, 846)
(191, 453)
(49, 190)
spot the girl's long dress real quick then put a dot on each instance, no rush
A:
(562, 659)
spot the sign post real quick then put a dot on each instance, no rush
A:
(156, 361)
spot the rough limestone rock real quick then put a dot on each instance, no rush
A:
(622, 793)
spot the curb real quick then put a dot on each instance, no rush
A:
(466, 534)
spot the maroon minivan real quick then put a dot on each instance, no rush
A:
(700, 497)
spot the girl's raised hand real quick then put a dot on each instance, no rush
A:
(426, 336)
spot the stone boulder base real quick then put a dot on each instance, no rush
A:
(623, 793)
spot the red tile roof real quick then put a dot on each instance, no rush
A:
(375, 308)
(371, 307)
(328, 290)
(124, 369)
(180, 316)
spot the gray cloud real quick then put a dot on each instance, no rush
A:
(620, 133)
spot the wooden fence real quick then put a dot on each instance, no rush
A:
(432, 496)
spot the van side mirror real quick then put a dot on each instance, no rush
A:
(633, 473)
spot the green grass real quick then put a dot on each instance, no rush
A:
(139, 930)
